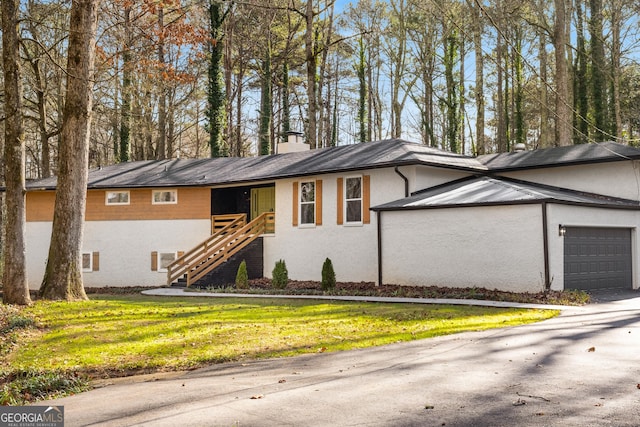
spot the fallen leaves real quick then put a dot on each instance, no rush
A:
(591, 349)
(257, 396)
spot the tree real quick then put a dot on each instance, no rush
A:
(15, 287)
(362, 92)
(63, 273)
(215, 88)
(598, 72)
(563, 105)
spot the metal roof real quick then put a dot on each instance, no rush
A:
(228, 170)
(487, 191)
(559, 156)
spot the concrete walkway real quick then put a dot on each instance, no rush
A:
(182, 292)
(579, 369)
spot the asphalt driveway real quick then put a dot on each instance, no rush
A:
(579, 369)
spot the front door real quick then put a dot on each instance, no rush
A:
(262, 200)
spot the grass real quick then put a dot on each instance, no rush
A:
(63, 345)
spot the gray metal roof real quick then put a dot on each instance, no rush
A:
(560, 156)
(206, 172)
(487, 191)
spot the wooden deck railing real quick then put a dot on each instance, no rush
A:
(221, 225)
(220, 249)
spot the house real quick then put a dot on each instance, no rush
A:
(391, 212)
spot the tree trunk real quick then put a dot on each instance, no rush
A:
(616, 29)
(124, 150)
(598, 75)
(162, 102)
(63, 273)
(580, 92)
(563, 104)
(15, 288)
(543, 141)
(479, 86)
(310, 57)
(216, 97)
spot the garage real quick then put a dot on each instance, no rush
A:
(597, 258)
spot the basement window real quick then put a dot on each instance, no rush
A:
(164, 197)
(164, 259)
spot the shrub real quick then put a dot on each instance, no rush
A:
(328, 275)
(242, 277)
(280, 275)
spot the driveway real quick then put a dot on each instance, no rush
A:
(579, 369)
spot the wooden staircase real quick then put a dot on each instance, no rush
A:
(231, 234)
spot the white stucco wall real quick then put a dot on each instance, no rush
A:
(498, 247)
(125, 249)
(352, 249)
(618, 179)
(426, 177)
(574, 216)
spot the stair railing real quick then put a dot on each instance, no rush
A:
(229, 245)
(221, 226)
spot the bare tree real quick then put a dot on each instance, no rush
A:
(63, 274)
(15, 287)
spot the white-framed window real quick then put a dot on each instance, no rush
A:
(117, 198)
(353, 200)
(87, 261)
(308, 203)
(164, 197)
(164, 259)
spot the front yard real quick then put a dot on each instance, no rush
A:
(57, 347)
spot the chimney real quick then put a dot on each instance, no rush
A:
(294, 144)
(519, 148)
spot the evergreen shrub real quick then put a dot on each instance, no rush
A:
(280, 275)
(328, 275)
(242, 277)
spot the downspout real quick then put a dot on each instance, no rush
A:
(406, 181)
(545, 246)
(379, 221)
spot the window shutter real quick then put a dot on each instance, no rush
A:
(319, 202)
(366, 199)
(154, 261)
(95, 263)
(339, 205)
(294, 214)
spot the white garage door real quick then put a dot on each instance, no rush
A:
(597, 258)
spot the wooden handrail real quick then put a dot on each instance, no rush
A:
(220, 249)
(180, 266)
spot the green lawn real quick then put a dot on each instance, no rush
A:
(124, 334)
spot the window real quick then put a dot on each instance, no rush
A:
(308, 203)
(160, 260)
(90, 261)
(117, 198)
(353, 199)
(165, 197)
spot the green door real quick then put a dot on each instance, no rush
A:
(262, 200)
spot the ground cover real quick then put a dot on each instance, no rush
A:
(59, 346)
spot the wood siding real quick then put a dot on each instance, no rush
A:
(193, 203)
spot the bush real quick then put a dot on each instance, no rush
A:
(280, 275)
(242, 277)
(328, 275)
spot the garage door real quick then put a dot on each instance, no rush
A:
(597, 258)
